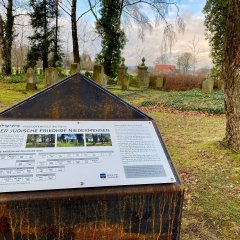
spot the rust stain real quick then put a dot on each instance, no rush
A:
(4, 226)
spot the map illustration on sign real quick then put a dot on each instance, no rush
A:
(44, 155)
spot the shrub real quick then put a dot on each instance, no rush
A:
(180, 82)
(88, 74)
(152, 80)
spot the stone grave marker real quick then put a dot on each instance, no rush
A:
(142, 78)
(122, 71)
(30, 78)
(207, 85)
(159, 82)
(75, 68)
(98, 74)
(220, 85)
(51, 76)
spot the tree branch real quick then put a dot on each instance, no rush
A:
(3, 4)
(83, 14)
(64, 10)
(91, 9)
(21, 14)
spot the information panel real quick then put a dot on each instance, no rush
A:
(41, 155)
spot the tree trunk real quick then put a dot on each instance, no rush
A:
(76, 56)
(8, 39)
(1, 36)
(45, 44)
(56, 36)
(231, 76)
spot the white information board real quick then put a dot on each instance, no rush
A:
(41, 155)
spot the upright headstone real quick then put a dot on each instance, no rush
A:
(31, 81)
(122, 71)
(207, 85)
(98, 74)
(104, 80)
(159, 82)
(51, 76)
(142, 78)
(125, 83)
(0, 70)
(220, 85)
(75, 68)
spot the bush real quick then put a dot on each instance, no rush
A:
(16, 78)
(152, 80)
(88, 74)
(181, 82)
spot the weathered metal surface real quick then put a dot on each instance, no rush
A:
(96, 214)
(143, 212)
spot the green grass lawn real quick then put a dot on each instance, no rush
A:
(210, 172)
(194, 100)
(70, 144)
(98, 144)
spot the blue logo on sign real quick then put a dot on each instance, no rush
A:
(103, 175)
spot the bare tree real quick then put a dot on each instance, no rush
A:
(20, 44)
(185, 62)
(87, 35)
(138, 12)
(70, 8)
(162, 59)
(195, 49)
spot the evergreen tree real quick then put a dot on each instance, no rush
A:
(113, 37)
(216, 12)
(114, 12)
(44, 37)
(56, 60)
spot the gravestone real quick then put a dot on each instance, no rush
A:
(123, 188)
(207, 85)
(51, 76)
(125, 83)
(31, 81)
(220, 85)
(142, 78)
(98, 74)
(122, 71)
(104, 80)
(159, 82)
(75, 68)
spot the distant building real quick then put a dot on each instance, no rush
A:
(165, 69)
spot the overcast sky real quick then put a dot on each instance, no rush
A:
(150, 48)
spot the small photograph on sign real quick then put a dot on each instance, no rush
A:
(40, 140)
(98, 140)
(70, 140)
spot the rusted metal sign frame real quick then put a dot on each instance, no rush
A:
(124, 212)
